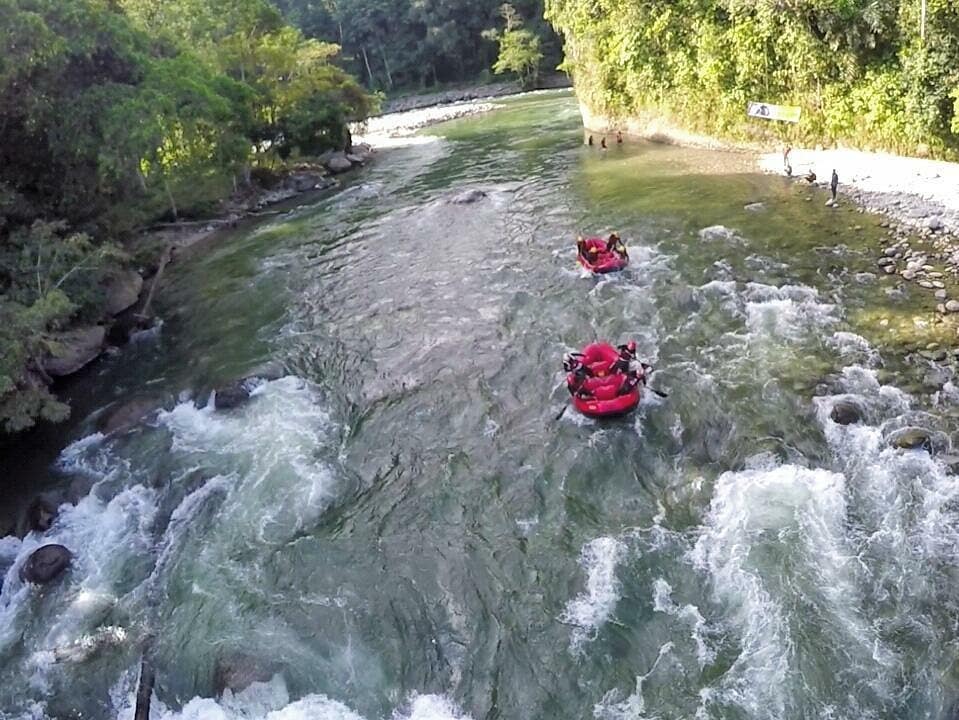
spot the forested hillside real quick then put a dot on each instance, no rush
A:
(117, 112)
(871, 73)
(400, 45)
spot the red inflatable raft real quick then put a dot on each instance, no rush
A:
(604, 396)
(601, 261)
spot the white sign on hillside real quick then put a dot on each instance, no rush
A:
(768, 111)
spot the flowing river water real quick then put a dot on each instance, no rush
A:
(400, 527)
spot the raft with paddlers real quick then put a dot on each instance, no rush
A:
(602, 256)
(605, 381)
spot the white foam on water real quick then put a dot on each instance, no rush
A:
(785, 312)
(590, 610)
(271, 701)
(614, 707)
(800, 512)
(715, 233)
(851, 346)
(663, 602)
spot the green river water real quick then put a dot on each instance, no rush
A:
(401, 528)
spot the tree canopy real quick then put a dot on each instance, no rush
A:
(393, 46)
(116, 112)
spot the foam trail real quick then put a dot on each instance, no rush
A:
(590, 610)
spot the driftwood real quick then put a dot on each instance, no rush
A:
(144, 688)
(164, 261)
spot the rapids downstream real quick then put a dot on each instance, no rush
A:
(399, 527)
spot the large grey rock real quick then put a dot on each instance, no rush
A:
(76, 349)
(934, 223)
(911, 439)
(45, 564)
(123, 291)
(952, 306)
(303, 181)
(338, 163)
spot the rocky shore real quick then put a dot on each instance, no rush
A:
(128, 294)
(918, 197)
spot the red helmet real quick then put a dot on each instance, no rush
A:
(631, 346)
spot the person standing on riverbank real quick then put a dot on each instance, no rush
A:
(834, 185)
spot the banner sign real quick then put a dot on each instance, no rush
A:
(767, 111)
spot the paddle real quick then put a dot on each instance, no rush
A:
(561, 413)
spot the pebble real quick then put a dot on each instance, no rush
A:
(926, 284)
(952, 306)
(938, 284)
(941, 294)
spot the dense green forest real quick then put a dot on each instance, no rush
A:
(395, 46)
(116, 112)
(868, 73)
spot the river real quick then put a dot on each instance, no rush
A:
(401, 528)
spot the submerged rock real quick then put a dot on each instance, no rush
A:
(468, 196)
(46, 564)
(126, 416)
(754, 207)
(238, 671)
(846, 412)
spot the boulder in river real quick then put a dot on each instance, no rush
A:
(75, 349)
(45, 564)
(123, 291)
(911, 438)
(846, 412)
(952, 306)
(306, 180)
(338, 163)
(40, 514)
(754, 207)
(232, 395)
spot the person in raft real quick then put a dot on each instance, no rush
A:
(587, 252)
(635, 370)
(614, 244)
(577, 368)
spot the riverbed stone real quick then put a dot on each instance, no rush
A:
(75, 349)
(123, 291)
(909, 274)
(46, 564)
(952, 306)
(846, 412)
(934, 223)
(911, 439)
(754, 207)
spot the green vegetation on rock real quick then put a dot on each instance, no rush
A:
(118, 113)
(865, 72)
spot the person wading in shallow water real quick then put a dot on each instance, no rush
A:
(787, 166)
(834, 185)
(602, 143)
(590, 141)
(619, 137)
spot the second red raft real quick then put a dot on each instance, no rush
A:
(604, 396)
(599, 259)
